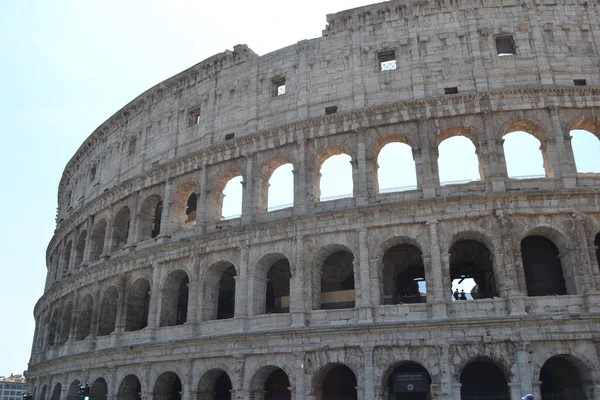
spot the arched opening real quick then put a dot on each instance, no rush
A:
(271, 383)
(53, 334)
(130, 388)
(458, 161)
(66, 323)
(121, 226)
(543, 267)
(215, 384)
(335, 178)
(525, 155)
(84, 321)
(396, 169)
(407, 381)
(99, 390)
(403, 275)
(150, 216)
(66, 259)
(339, 382)
(232, 198)
(97, 238)
(191, 206)
(73, 393)
(108, 311)
(277, 296)
(80, 249)
(564, 377)
(219, 291)
(337, 281)
(586, 151)
(168, 387)
(185, 204)
(471, 271)
(281, 188)
(175, 296)
(43, 393)
(597, 243)
(226, 299)
(56, 392)
(138, 305)
(483, 380)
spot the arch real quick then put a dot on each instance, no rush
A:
(97, 239)
(80, 248)
(108, 311)
(138, 305)
(175, 295)
(272, 284)
(99, 390)
(66, 323)
(168, 387)
(597, 243)
(525, 150)
(543, 266)
(56, 392)
(587, 124)
(150, 217)
(185, 205)
(130, 388)
(336, 381)
(121, 227)
(66, 259)
(336, 283)
(333, 175)
(403, 275)
(215, 384)
(73, 393)
(219, 291)
(54, 328)
(564, 377)
(275, 187)
(406, 380)
(84, 320)
(43, 393)
(271, 383)
(586, 151)
(482, 378)
(395, 169)
(472, 270)
(458, 159)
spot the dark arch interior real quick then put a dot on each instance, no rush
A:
(138, 305)
(223, 387)
(43, 394)
(403, 272)
(337, 275)
(543, 269)
(168, 387)
(190, 208)
(278, 287)
(339, 383)
(276, 386)
(597, 243)
(99, 390)
(73, 393)
(130, 388)
(483, 380)
(108, 312)
(182, 301)
(561, 380)
(56, 392)
(121, 227)
(66, 323)
(156, 220)
(226, 302)
(84, 322)
(408, 381)
(470, 259)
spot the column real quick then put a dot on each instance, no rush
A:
(438, 301)
(361, 193)
(369, 378)
(111, 386)
(510, 282)
(584, 255)
(95, 312)
(514, 388)
(300, 377)
(187, 385)
(447, 387)
(301, 179)
(297, 287)
(194, 293)
(495, 155)
(241, 285)
(365, 307)
(248, 195)
(166, 227)
(132, 234)
(120, 318)
(153, 309)
(89, 224)
(203, 200)
(523, 368)
(563, 161)
(429, 179)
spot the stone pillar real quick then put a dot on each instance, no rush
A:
(256, 295)
(437, 299)
(369, 378)
(514, 390)
(429, 179)
(497, 173)
(523, 368)
(505, 264)
(585, 262)
(187, 385)
(365, 306)
(297, 286)
(166, 228)
(203, 200)
(418, 158)
(88, 241)
(133, 222)
(446, 387)
(563, 161)
(74, 316)
(361, 189)
(248, 196)
(456, 390)
(301, 179)
(241, 284)
(536, 389)
(153, 308)
(122, 290)
(112, 387)
(97, 305)
(300, 377)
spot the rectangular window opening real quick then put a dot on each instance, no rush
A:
(330, 110)
(194, 116)
(132, 144)
(387, 61)
(278, 86)
(579, 82)
(229, 136)
(451, 90)
(505, 45)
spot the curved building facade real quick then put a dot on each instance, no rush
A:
(152, 294)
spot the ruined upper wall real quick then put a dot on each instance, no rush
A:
(437, 44)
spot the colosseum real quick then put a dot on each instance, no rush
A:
(152, 294)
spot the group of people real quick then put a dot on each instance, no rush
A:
(459, 296)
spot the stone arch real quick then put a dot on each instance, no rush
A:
(219, 291)
(535, 129)
(402, 275)
(138, 305)
(405, 163)
(99, 389)
(502, 355)
(84, 320)
(270, 383)
(149, 218)
(317, 177)
(97, 239)
(272, 275)
(168, 386)
(264, 187)
(108, 311)
(215, 384)
(66, 259)
(547, 262)
(455, 146)
(484, 377)
(185, 205)
(43, 393)
(66, 323)
(80, 248)
(73, 393)
(334, 274)
(217, 195)
(399, 375)
(53, 331)
(130, 388)
(121, 229)
(175, 296)
(471, 258)
(336, 379)
(56, 393)
(587, 124)
(597, 244)
(564, 376)
(586, 150)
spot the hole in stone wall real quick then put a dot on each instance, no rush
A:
(505, 45)
(387, 60)
(451, 90)
(579, 82)
(331, 110)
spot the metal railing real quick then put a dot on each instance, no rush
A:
(341, 196)
(398, 189)
(280, 207)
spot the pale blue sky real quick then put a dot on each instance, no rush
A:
(68, 65)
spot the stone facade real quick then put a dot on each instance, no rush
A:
(151, 294)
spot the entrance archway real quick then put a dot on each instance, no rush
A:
(56, 392)
(270, 383)
(168, 387)
(483, 380)
(99, 390)
(407, 381)
(73, 393)
(130, 388)
(339, 383)
(564, 377)
(543, 267)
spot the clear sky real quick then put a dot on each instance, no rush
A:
(67, 66)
